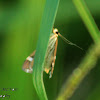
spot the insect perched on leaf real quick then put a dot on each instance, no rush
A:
(50, 54)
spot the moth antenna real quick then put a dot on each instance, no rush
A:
(67, 41)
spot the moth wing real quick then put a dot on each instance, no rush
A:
(50, 55)
(54, 58)
(28, 64)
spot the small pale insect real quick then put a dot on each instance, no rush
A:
(50, 54)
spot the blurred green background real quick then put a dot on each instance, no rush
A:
(19, 27)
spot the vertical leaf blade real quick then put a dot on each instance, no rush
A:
(44, 34)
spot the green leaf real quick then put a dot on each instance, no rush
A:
(44, 34)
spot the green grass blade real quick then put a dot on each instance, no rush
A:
(87, 19)
(44, 34)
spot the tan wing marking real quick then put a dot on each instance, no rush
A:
(46, 70)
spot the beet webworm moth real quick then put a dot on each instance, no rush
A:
(50, 54)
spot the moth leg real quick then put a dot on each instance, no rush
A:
(33, 53)
(53, 62)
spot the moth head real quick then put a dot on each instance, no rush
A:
(55, 31)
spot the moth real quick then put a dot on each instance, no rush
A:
(50, 54)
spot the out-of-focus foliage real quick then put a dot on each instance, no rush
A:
(19, 27)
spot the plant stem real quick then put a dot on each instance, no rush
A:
(87, 19)
(79, 73)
